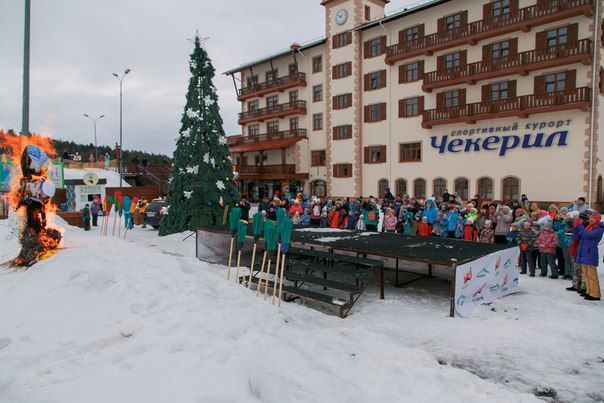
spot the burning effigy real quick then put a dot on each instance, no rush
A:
(31, 193)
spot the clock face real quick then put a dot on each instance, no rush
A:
(341, 16)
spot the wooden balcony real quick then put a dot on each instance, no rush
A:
(521, 63)
(522, 19)
(266, 141)
(267, 87)
(273, 112)
(522, 107)
(269, 172)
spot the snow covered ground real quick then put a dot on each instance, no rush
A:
(113, 178)
(141, 320)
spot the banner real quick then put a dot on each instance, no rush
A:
(5, 176)
(56, 174)
(484, 280)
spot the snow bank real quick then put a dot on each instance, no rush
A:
(113, 178)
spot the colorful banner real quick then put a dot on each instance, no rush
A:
(484, 280)
(56, 174)
(5, 174)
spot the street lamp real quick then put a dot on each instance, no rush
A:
(121, 79)
(96, 150)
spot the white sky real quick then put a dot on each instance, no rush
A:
(77, 44)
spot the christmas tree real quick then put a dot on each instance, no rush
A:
(202, 176)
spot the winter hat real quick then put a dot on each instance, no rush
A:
(519, 211)
(469, 221)
(542, 213)
(488, 223)
(597, 217)
(564, 210)
(547, 225)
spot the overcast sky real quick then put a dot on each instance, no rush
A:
(77, 44)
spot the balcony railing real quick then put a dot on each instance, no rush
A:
(282, 83)
(519, 63)
(521, 19)
(522, 106)
(266, 169)
(258, 138)
(275, 111)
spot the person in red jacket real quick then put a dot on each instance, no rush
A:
(469, 231)
(295, 207)
(546, 241)
(424, 228)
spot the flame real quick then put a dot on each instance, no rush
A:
(35, 244)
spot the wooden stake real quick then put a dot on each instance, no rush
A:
(119, 227)
(230, 258)
(260, 275)
(252, 266)
(224, 216)
(114, 219)
(238, 263)
(268, 275)
(276, 278)
(279, 294)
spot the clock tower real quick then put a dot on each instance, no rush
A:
(344, 86)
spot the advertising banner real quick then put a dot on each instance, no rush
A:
(5, 175)
(484, 280)
(56, 174)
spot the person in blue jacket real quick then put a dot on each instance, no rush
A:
(589, 235)
(452, 218)
(128, 223)
(430, 212)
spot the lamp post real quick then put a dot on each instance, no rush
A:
(120, 158)
(96, 150)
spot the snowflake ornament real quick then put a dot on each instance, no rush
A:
(193, 170)
(222, 140)
(185, 133)
(192, 114)
(220, 185)
(187, 194)
(212, 161)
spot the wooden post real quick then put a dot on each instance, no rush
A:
(268, 273)
(114, 220)
(280, 293)
(276, 278)
(238, 263)
(252, 266)
(230, 258)
(260, 275)
(452, 289)
(225, 215)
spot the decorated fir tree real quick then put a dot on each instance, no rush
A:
(202, 176)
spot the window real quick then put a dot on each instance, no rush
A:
(511, 189)
(375, 154)
(556, 37)
(410, 152)
(453, 21)
(342, 132)
(293, 96)
(367, 13)
(412, 34)
(462, 188)
(499, 91)
(342, 70)
(411, 72)
(485, 188)
(317, 158)
(419, 188)
(452, 60)
(555, 82)
(500, 50)
(410, 107)
(293, 70)
(451, 99)
(253, 130)
(293, 124)
(317, 64)
(317, 93)
(272, 127)
(375, 113)
(317, 121)
(342, 170)
(343, 39)
(342, 101)
(501, 8)
(401, 187)
(375, 80)
(382, 186)
(252, 81)
(375, 47)
(318, 188)
(252, 106)
(272, 101)
(439, 186)
(271, 76)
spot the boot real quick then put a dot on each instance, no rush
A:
(522, 271)
(532, 275)
(590, 298)
(553, 277)
(571, 289)
(543, 275)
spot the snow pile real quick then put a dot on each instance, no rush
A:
(143, 320)
(113, 178)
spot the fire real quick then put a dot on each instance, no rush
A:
(32, 192)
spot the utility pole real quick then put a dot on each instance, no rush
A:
(121, 153)
(25, 109)
(96, 150)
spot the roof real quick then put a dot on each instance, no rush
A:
(303, 46)
(323, 2)
(265, 145)
(419, 5)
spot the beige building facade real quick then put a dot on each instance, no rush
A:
(496, 98)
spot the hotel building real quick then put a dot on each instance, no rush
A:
(495, 98)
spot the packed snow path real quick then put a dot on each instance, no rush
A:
(142, 320)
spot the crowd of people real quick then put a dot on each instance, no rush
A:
(561, 241)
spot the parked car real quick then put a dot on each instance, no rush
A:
(153, 212)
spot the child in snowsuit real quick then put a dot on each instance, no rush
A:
(469, 232)
(513, 234)
(546, 241)
(424, 228)
(296, 219)
(360, 223)
(390, 221)
(526, 241)
(487, 233)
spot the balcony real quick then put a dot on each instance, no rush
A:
(521, 63)
(269, 172)
(280, 84)
(266, 141)
(522, 19)
(522, 107)
(273, 112)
